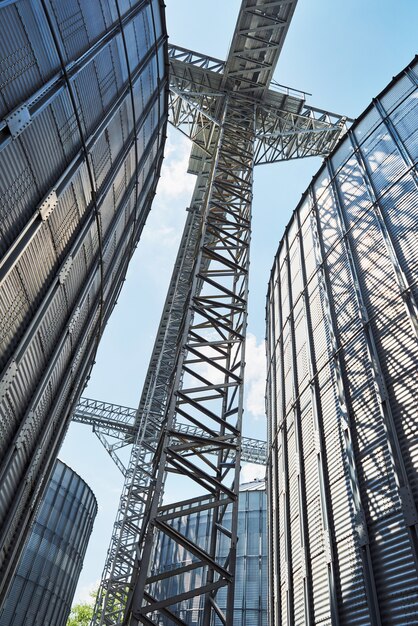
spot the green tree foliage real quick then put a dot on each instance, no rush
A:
(81, 614)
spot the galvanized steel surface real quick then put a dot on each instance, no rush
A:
(81, 136)
(342, 329)
(250, 607)
(45, 581)
(119, 422)
(287, 129)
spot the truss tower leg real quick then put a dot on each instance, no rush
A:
(207, 392)
(122, 554)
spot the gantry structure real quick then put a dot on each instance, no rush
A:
(115, 427)
(192, 402)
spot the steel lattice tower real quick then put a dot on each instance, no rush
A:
(193, 393)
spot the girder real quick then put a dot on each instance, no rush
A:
(119, 422)
(207, 390)
(282, 135)
(195, 98)
(259, 35)
(195, 59)
(113, 419)
(286, 127)
(119, 568)
(191, 114)
(192, 397)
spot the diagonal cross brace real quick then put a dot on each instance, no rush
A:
(262, 125)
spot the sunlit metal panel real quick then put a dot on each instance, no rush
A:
(83, 108)
(45, 581)
(342, 329)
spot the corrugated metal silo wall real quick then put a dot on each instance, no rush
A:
(250, 605)
(342, 383)
(83, 109)
(46, 578)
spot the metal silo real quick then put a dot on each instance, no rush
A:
(342, 324)
(46, 578)
(251, 565)
(83, 107)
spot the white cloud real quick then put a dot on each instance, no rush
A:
(255, 376)
(250, 472)
(162, 233)
(175, 181)
(84, 594)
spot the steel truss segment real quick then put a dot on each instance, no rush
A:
(121, 561)
(119, 423)
(256, 44)
(195, 98)
(154, 395)
(111, 448)
(285, 127)
(192, 115)
(207, 392)
(192, 397)
(198, 79)
(111, 419)
(176, 53)
(285, 135)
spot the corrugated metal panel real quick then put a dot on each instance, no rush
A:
(125, 5)
(321, 599)
(45, 581)
(71, 26)
(18, 193)
(50, 291)
(360, 258)
(400, 90)
(100, 154)
(405, 119)
(64, 220)
(398, 207)
(36, 265)
(78, 269)
(66, 123)
(88, 98)
(109, 80)
(26, 63)
(365, 126)
(14, 313)
(43, 147)
(50, 327)
(29, 370)
(118, 129)
(107, 211)
(109, 12)
(386, 165)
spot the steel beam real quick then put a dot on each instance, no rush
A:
(283, 135)
(120, 561)
(207, 389)
(286, 128)
(259, 35)
(192, 396)
(119, 422)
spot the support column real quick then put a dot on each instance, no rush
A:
(207, 392)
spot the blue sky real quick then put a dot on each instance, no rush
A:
(343, 53)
